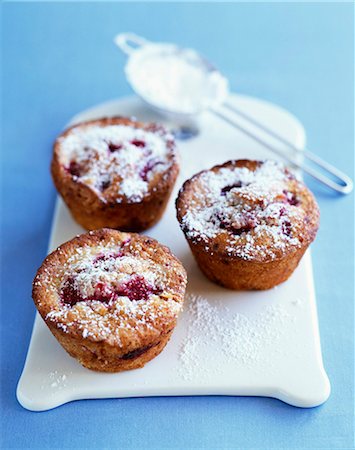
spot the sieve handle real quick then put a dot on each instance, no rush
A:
(322, 171)
(129, 42)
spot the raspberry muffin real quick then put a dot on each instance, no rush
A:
(110, 298)
(248, 223)
(115, 172)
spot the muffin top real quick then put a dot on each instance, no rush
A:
(122, 288)
(120, 159)
(254, 210)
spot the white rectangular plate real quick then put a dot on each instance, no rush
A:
(226, 343)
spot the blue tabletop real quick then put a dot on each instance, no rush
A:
(59, 59)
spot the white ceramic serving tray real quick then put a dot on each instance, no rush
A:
(226, 342)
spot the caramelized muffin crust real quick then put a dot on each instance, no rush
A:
(115, 172)
(247, 222)
(111, 299)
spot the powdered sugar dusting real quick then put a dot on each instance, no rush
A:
(233, 339)
(109, 266)
(109, 289)
(55, 380)
(119, 159)
(253, 209)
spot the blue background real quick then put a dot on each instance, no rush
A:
(59, 59)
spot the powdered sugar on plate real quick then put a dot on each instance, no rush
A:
(56, 381)
(235, 339)
(119, 159)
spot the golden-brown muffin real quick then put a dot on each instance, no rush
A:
(111, 299)
(248, 223)
(115, 172)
